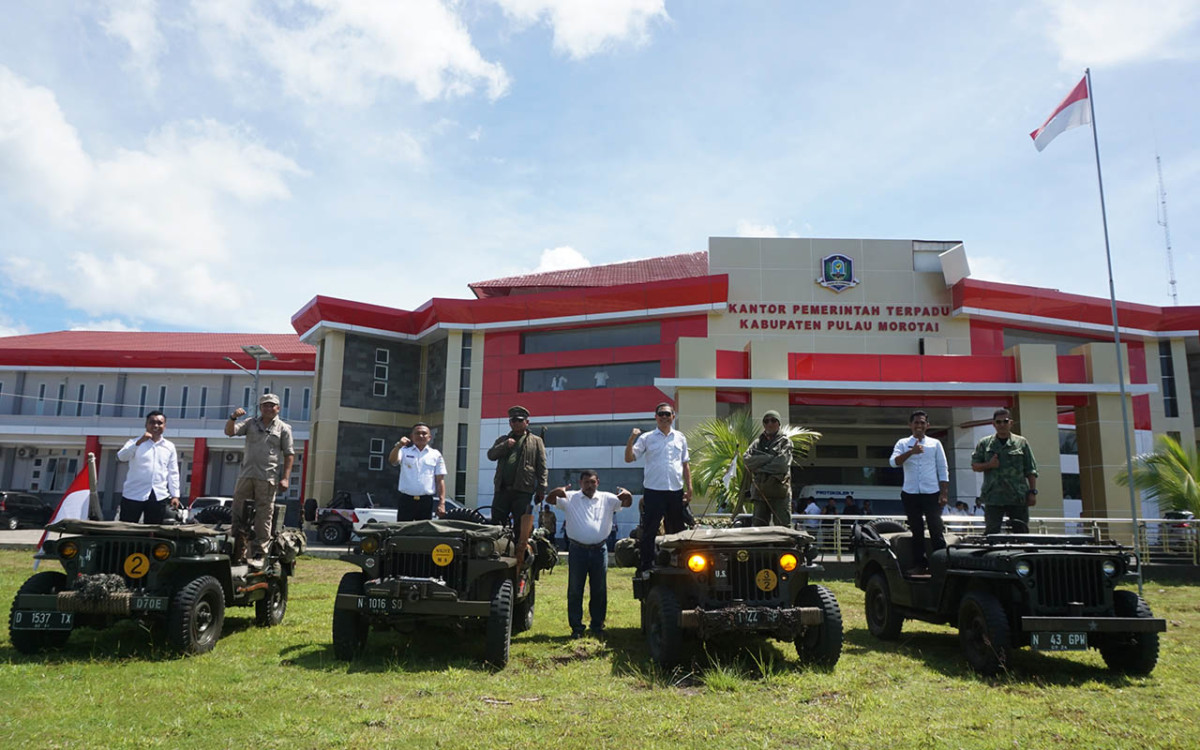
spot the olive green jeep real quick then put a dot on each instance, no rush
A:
(180, 576)
(707, 582)
(451, 572)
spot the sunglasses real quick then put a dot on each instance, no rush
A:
(769, 420)
(663, 414)
(516, 419)
(1003, 421)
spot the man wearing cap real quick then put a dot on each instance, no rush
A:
(769, 468)
(666, 481)
(268, 445)
(422, 476)
(520, 458)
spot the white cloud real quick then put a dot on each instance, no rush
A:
(1109, 32)
(8, 328)
(750, 229)
(111, 324)
(585, 28)
(560, 259)
(397, 146)
(134, 22)
(345, 50)
(150, 226)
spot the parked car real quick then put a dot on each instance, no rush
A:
(201, 504)
(19, 509)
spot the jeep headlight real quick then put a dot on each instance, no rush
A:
(161, 551)
(1109, 568)
(68, 550)
(788, 561)
(370, 544)
(697, 563)
(484, 548)
(1024, 568)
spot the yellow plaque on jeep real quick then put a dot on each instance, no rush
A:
(442, 555)
(137, 565)
(766, 579)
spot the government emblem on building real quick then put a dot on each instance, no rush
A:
(837, 273)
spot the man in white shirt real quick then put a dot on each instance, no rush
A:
(153, 478)
(589, 520)
(422, 476)
(667, 479)
(926, 488)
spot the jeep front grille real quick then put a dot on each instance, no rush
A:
(421, 565)
(739, 581)
(110, 556)
(1062, 580)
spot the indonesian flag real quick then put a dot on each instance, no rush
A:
(73, 505)
(1071, 113)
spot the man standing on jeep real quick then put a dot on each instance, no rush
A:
(769, 471)
(268, 445)
(589, 521)
(926, 487)
(667, 479)
(1009, 476)
(422, 475)
(520, 458)
(153, 478)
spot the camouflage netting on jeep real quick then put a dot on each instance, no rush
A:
(741, 537)
(291, 543)
(457, 529)
(169, 531)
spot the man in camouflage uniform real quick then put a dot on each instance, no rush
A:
(769, 466)
(1009, 476)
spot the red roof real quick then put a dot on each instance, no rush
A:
(133, 349)
(685, 266)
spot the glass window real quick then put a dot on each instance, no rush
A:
(183, 399)
(142, 400)
(380, 388)
(41, 399)
(162, 398)
(600, 337)
(304, 408)
(464, 372)
(377, 445)
(375, 463)
(1166, 363)
(382, 356)
(62, 395)
(246, 399)
(838, 451)
(460, 465)
(287, 403)
(203, 401)
(381, 372)
(623, 375)
(1068, 445)
(99, 398)
(79, 401)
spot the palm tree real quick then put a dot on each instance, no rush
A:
(1170, 475)
(717, 444)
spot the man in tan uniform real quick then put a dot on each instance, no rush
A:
(268, 445)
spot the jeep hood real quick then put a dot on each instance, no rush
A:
(778, 535)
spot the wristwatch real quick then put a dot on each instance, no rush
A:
(1032, 491)
(233, 417)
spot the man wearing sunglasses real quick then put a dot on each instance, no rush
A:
(1009, 476)
(520, 482)
(769, 466)
(667, 479)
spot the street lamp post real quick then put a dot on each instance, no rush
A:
(259, 353)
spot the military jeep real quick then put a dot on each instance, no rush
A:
(180, 576)
(461, 574)
(708, 582)
(1005, 591)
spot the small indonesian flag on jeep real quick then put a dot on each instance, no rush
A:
(73, 505)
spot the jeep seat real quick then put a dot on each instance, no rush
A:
(901, 543)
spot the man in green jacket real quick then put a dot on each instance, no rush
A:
(769, 463)
(520, 458)
(1009, 476)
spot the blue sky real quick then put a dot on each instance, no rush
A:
(213, 165)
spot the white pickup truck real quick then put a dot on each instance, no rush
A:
(335, 523)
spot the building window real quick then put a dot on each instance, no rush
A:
(79, 401)
(162, 397)
(1068, 442)
(601, 337)
(142, 400)
(183, 395)
(381, 372)
(304, 403)
(287, 403)
(623, 375)
(375, 462)
(203, 401)
(246, 399)
(382, 356)
(58, 403)
(460, 465)
(380, 388)
(464, 373)
(1166, 363)
(99, 398)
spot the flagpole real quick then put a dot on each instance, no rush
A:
(1112, 297)
(94, 511)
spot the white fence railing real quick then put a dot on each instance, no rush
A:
(1159, 540)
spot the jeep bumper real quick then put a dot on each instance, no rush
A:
(784, 623)
(115, 603)
(411, 596)
(1032, 624)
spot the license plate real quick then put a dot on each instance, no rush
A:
(755, 616)
(1058, 641)
(24, 619)
(149, 603)
(380, 604)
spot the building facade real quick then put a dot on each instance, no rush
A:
(845, 336)
(65, 394)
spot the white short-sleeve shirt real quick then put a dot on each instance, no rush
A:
(418, 468)
(665, 457)
(589, 520)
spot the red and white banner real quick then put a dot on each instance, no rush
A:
(1074, 111)
(73, 505)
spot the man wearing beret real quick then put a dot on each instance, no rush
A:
(769, 466)
(265, 471)
(520, 458)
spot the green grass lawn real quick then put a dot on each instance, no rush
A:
(282, 687)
